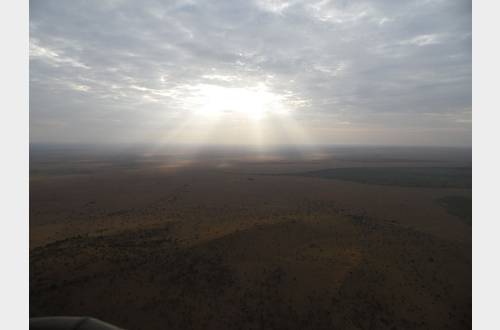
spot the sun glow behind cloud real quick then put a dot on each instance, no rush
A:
(254, 102)
(225, 112)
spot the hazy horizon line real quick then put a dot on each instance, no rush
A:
(72, 145)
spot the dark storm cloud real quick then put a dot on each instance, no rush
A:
(119, 70)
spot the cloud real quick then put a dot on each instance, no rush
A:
(122, 70)
(52, 57)
(422, 40)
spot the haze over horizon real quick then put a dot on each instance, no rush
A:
(257, 73)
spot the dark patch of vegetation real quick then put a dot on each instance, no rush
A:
(74, 167)
(146, 269)
(460, 206)
(58, 171)
(428, 177)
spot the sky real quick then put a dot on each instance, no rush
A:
(251, 72)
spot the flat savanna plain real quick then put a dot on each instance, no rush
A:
(360, 238)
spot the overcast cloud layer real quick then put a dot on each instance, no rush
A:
(384, 71)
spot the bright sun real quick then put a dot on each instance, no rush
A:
(254, 102)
